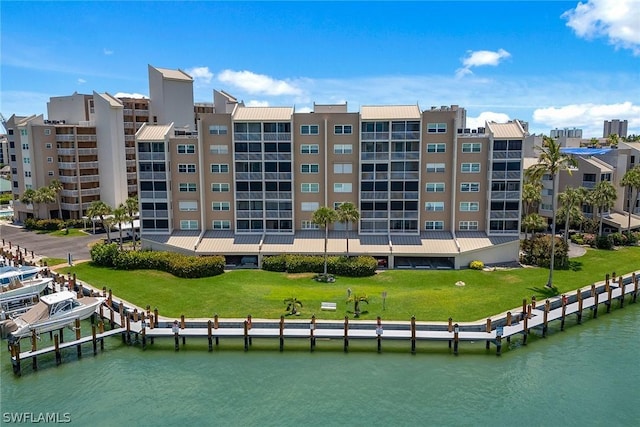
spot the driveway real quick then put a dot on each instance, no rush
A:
(46, 245)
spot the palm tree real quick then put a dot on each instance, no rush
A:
(604, 195)
(324, 216)
(533, 222)
(292, 306)
(56, 186)
(551, 161)
(46, 196)
(356, 300)
(120, 216)
(347, 213)
(132, 207)
(100, 209)
(613, 140)
(570, 198)
(631, 180)
(28, 198)
(531, 195)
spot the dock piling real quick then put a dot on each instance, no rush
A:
(413, 334)
(312, 327)
(346, 334)
(56, 343)
(545, 321)
(209, 336)
(595, 295)
(281, 332)
(456, 338)
(34, 347)
(93, 340)
(78, 335)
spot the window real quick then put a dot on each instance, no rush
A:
(186, 168)
(469, 206)
(25, 146)
(436, 127)
(471, 147)
(217, 130)
(470, 167)
(50, 173)
(342, 187)
(342, 168)
(309, 149)
(27, 174)
(309, 225)
(435, 187)
(309, 206)
(435, 167)
(219, 149)
(188, 224)
(26, 160)
(48, 145)
(220, 206)
(307, 168)
(219, 187)
(310, 187)
(220, 168)
(47, 132)
(49, 159)
(221, 225)
(546, 206)
(436, 148)
(309, 129)
(434, 225)
(342, 129)
(23, 132)
(468, 225)
(434, 206)
(187, 187)
(343, 149)
(186, 149)
(188, 205)
(470, 187)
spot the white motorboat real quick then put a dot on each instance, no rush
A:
(24, 272)
(22, 288)
(54, 312)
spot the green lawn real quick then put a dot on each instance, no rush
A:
(429, 295)
(70, 232)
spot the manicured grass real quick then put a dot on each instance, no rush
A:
(429, 295)
(54, 261)
(70, 232)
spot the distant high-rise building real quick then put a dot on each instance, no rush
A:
(566, 132)
(617, 127)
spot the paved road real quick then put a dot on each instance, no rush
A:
(48, 246)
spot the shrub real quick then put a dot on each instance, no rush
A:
(577, 238)
(275, 263)
(604, 242)
(590, 239)
(361, 266)
(104, 254)
(618, 239)
(476, 265)
(537, 251)
(632, 238)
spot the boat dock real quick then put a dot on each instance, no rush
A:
(140, 326)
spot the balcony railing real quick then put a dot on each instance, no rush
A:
(67, 179)
(375, 195)
(405, 175)
(277, 175)
(244, 176)
(65, 137)
(402, 155)
(375, 175)
(277, 195)
(588, 184)
(284, 136)
(374, 156)
(503, 214)
(400, 195)
(151, 156)
(375, 136)
(374, 214)
(88, 165)
(90, 178)
(132, 188)
(87, 151)
(505, 195)
(67, 165)
(507, 154)
(505, 175)
(408, 135)
(277, 156)
(248, 156)
(161, 176)
(153, 195)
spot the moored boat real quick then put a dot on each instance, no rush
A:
(54, 312)
(18, 288)
(24, 272)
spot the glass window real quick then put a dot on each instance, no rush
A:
(434, 206)
(220, 206)
(220, 168)
(188, 205)
(474, 147)
(342, 129)
(309, 149)
(436, 127)
(186, 149)
(217, 130)
(309, 168)
(186, 168)
(187, 187)
(436, 148)
(470, 167)
(310, 187)
(339, 168)
(342, 187)
(435, 187)
(435, 167)
(219, 149)
(309, 129)
(219, 187)
(434, 225)
(309, 206)
(470, 187)
(469, 206)
(342, 149)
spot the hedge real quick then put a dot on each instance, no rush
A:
(185, 266)
(361, 266)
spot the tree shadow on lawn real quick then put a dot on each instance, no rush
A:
(546, 292)
(575, 265)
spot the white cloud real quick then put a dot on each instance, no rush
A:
(256, 103)
(481, 58)
(107, 51)
(81, 81)
(304, 110)
(618, 20)
(589, 117)
(486, 116)
(254, 83)
(129, 95)
(201, 75)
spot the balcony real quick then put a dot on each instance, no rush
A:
(249, 195)
(279, 214)
(505, 195)
(129, 138)
(277, 175)
(507, 154)
(127, 111)
(129, 150)
(132, 188)
(277, 156)
(87, 138)
(90, 178)
(375, 136)
(244, 176)
(67, 165)
(503, 215)
(405, 156)
(128, 125)
(404, 195)
(87, 151)
(505, 175)
(284, 136)
(65, 137)
(154, 195)
(90, 191)
(248, 156)
(68, 179)
(151, 156)
(407, 135)
(247, 136)
(405, 175)
(374, 156)
(375, 195)
(277, 195)
(88, 165)
(160, 176)
(374, 214)
(249, 214)
(66, 151)
(131, 163)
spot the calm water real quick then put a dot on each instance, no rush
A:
(587, 375)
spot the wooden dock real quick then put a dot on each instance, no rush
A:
(146, 326)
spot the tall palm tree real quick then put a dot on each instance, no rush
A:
(120, 216)
(569, 199)
(56, 186)
(533, 222)
(99, 209)
(45, 195)
(613, 140)
(28, 198)
(551, 161)
(631, 180)
(531, 195)
(347, 213)
(132, 207)
(604, 195)
(324, 216)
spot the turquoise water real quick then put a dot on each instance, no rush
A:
(587, 375)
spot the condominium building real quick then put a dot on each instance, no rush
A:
(430, 193)
(615, 127)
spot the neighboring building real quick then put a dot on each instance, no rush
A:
(430, 193)
(615, 127)
(566, 132)
(4, 150)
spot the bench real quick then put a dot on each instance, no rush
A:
(328, 306)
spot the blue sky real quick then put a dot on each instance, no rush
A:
(553, 64)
